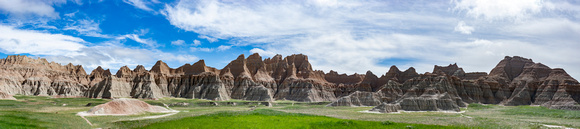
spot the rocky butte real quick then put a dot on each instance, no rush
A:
(514, 81)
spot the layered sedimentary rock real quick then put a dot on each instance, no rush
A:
(28, 76)
(514, 81)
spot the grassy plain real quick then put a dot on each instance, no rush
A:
(46, 112)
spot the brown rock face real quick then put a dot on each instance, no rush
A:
(514, 81)
(510, 67)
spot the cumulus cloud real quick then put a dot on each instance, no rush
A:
(262, 52)
(223, 47)
(196, 42)
(25, 7)
(16, 41)
(210, 39)
(463, 28)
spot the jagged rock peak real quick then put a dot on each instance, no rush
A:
(75, 69)
(238, 67)
(397, 75)
(510, 67)
(161, 67)
(393, 72)
(370, 77)
(100, 72)
(300, 61)
(276, 58)
(123, 71)
(334, 77)
(241, 57)
(197, 68)
(255, 63)
(140, 69)
(23, 59)
(447, 70)
(410, 70)
(393, 69)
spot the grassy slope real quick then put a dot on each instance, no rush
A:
(265, 118)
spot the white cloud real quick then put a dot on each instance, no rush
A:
(196, 42)
(71, 14)
(24, 7)
(15, 41)
(552, 29)
(223, 47)
(177, 42)
(86, 27)
(203, 49)
(135, 37)
(499, 9)
(240, 19)
(463, 28)
(262, 52)
(141, 4)
(210, 39)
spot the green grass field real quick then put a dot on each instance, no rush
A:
(46, 112)
(266, 119)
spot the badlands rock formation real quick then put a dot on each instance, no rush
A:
(124, 106)
(514, 81)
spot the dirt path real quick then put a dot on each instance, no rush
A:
(87, 120)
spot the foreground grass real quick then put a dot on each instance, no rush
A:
(265, 118)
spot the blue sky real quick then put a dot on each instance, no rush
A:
(345, 36)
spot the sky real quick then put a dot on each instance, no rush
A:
(341, 35)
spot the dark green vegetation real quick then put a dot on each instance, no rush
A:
(476, 106)
(47, 112)
(266, 118)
